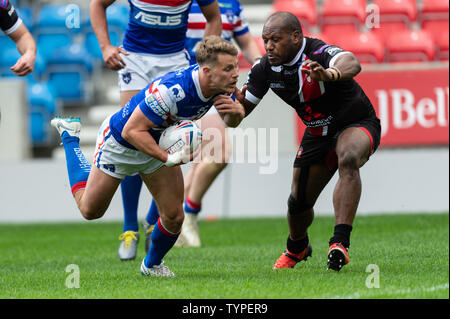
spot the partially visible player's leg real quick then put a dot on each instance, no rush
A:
(214, 157)
(94, 200)
(353, 149)
(91, 188)
(131, 185)
(307, 184)
(166, 186)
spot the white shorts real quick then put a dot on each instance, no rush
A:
(141, 68)
(118, 161)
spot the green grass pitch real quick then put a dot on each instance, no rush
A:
(411, 254)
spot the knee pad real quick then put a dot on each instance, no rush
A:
(297, 207)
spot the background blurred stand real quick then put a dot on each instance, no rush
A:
(14, 137)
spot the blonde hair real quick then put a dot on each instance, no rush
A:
(210, 47)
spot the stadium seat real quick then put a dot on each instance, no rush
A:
(434, 10)
(52, 30)
(68, 71)
(439, 32)
(38, 128)
(304, 10)
(341, 16)
(410, 46)
(397, 10)
(41, 98)
(365, 45)
(395, 15)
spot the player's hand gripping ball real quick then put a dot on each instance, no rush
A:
(182, 133)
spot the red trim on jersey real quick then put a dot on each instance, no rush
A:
(370, 137)
(164, 231)
(169, 3)
(78, 186)
(192, 204)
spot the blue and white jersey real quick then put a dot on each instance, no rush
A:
(157, 26)
(172, 97)
(234, 24)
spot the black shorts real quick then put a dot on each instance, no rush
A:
(321, 149)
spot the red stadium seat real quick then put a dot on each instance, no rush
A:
(385, 29)
(395, 15)
(343, 15)
(439, 32)
(397, 10)
(364, 45)
(434, 10)
(410, 46)
(304, 10)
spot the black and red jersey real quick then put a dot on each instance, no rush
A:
(324, 107)
(9, 20)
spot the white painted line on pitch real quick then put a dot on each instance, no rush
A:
(397, 292)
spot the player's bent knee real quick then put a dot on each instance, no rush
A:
(91, 214)
(298, 207)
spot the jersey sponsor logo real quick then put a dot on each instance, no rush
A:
(155, 102)
(177, 92)
(333, 50)
(126, 77)
(277, 85)
(155, 20)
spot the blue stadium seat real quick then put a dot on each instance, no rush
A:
(39, 131)
(69, 70)
(41, 98)
(54, 28)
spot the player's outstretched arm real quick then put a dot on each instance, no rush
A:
(97, 13)
(232, 112)
(213, 19)
(27, 48)
(346, 67)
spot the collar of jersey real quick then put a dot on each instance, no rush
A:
(298, 56)
(197, 84)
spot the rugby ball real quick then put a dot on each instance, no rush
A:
(180, 134)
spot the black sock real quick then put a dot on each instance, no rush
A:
(297, 246)
(341, 235)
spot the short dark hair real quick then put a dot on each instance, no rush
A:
(290, 21)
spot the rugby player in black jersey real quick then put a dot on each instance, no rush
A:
(342, 129)
(13, 26)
